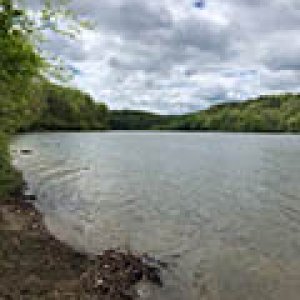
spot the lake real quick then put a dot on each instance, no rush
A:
(223, 210)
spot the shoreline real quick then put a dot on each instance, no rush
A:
(36, 265)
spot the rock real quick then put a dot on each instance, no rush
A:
(143, 290)
(29, 197)
(153, 275)
(26, 151)
(138, 275)
(152, 261)
(35, 226)
(99, 282)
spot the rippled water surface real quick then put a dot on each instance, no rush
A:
(222, 209)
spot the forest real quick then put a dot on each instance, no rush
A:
(268, 113)
(63, 108)
(137, 120)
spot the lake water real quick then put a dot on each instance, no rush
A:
(222, 209)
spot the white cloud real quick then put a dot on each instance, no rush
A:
(170, 56)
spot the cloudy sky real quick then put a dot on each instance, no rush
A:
(175, 56)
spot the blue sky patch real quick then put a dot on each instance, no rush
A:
(74, 70)
(199, 4)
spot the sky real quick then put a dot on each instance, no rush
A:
(177, 56)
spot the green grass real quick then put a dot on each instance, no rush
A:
(10, 179)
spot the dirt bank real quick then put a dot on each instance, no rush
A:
(34, 265)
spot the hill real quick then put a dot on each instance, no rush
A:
(136, 120)
(280, 113)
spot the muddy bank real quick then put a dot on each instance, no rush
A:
(34, 265)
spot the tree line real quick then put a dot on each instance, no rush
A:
(64, 108)
(136, 120)
(272, 113)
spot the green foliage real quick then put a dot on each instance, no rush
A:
(22, 33)
(22, 63)
(135, 120)
(63, 108)
(10, 179)
(19, 63)
(19, 108)
(24, 100)
(45, 107)
(279, 113)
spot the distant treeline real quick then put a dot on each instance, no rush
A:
(136, 120)
(280, 113)
(53, 107)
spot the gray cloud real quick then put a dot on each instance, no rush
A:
(169, 56)
(283, 52)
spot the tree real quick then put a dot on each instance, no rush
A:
(23, 66)
(21, 35)
(22, 62)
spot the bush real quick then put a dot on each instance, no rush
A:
(10, 179)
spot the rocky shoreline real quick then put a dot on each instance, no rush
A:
(35, 265)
